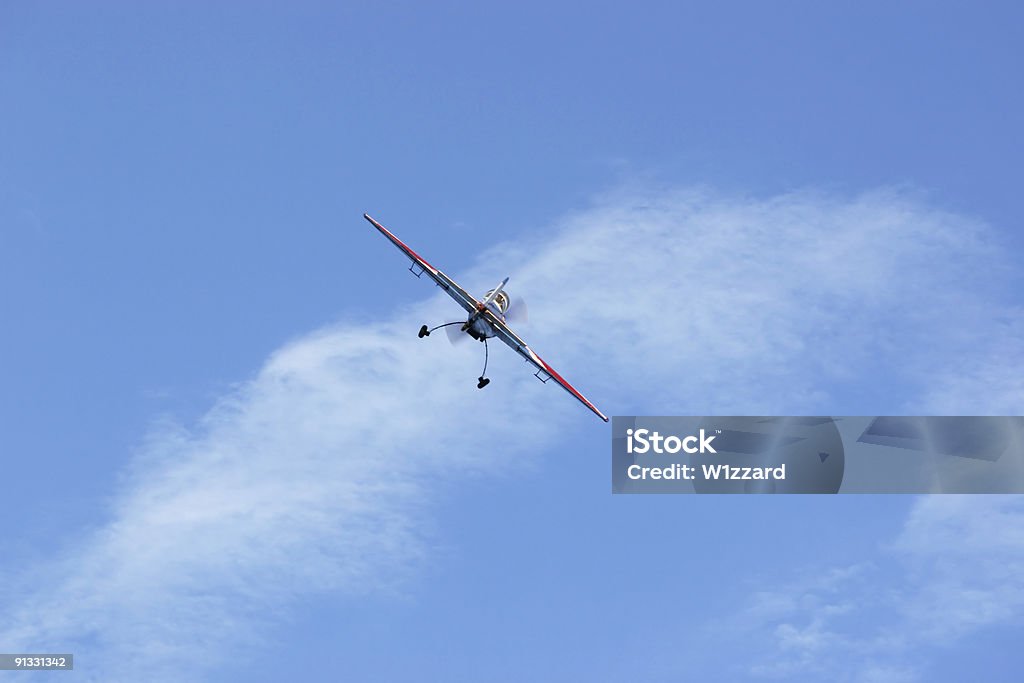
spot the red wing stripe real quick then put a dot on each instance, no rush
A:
(402, 245)
(561, 380)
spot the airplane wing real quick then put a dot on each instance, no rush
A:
(544, 371)
(461, 296)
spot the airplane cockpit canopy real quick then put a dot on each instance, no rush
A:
(501, 301)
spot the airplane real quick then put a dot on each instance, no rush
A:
(486, 319)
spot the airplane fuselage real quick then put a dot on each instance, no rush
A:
(494, 303)
(478, 327)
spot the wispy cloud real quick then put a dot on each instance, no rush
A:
(952, 570)
(316, 474)
(798, 302)
(964, 556)
(988, 380)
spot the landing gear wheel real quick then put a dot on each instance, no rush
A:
(482, 383)
(424, 332)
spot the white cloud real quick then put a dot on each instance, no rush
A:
(316, 474)
(965, 554)
(987, 381)
(785, 304)
(952, 570)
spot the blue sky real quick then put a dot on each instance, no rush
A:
(225, 446)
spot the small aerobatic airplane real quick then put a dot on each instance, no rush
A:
(486, 319)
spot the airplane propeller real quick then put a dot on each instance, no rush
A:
(517, 311)
(455, 334)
